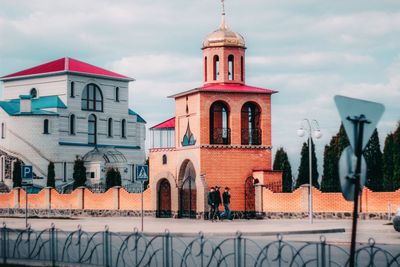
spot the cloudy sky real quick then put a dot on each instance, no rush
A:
(308, 50)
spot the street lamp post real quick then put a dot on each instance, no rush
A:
(312, 128)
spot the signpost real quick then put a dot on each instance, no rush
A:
(359, 119)
(27, 180)
(142, 175)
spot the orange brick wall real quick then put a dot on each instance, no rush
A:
(230, 167)
(93, 201)
(133, 201)
(7, 200)
(297, 201)
(66, 201)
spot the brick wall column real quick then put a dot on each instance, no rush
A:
(81, 197)
(48, 197)
(304, 197)
(17, 197)
(259, 175)
(116, 197)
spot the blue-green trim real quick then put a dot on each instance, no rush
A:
(25, 97)
(12, 107)
(98, 145)
(139, 118)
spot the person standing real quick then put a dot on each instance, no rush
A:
(218, 201)
(226, 198)
(211, 203)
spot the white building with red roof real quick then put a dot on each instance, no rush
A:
(65, 109)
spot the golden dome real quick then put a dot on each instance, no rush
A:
(223, 36)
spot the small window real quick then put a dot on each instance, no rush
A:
(216, 68)
(92, 175)
(72, 124)
(241, 69)
(123, 128)
(205, 69)
(33, 93)
(110, 127)
(231, 68)
(3, 133)
(46, 126)
(72, 92)
(164, 159)
(116, 94)
(64, 171)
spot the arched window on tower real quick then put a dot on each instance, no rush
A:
(72, 90)
(205, 69)
(110, 127)
(92, 98)
(92, 129)
(123, 128)
(33, 93)
(116, 94)
(216, 68)
(231, 68)
(220, 133)
(72, 124)
(46, 126)
(250, 120)
(241, 69)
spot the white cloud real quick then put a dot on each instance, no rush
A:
(311, 59)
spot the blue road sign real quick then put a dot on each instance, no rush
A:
(351, 107)
(142, 173)
(27, 175)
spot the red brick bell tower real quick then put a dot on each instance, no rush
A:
(222, 133)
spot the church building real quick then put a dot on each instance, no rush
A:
(220, 135)
(65, 109)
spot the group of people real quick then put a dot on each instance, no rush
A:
(215, 200)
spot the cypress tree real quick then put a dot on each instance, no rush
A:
(303, 176)
(51, 182)
(79, 174)
(113, 178)
(330, 178)
(17, 177)
(373, 157)
(281, 163)
(396, 158)
(388, 164)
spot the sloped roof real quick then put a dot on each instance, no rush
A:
(65, 65)
(227, 88)
(12, 107)
(168, 124)
(139, 118)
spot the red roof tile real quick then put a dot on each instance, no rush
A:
(234, 88)
(168, 124)
(226, 87)
(65, 65)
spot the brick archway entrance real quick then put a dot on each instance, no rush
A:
(187, 191)
(249, 198)
(164, 199)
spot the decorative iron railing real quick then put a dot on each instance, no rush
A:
(220, 136)
(251, 136)
(56, 247)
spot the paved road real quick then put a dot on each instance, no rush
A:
(259, 233)
(377, 229)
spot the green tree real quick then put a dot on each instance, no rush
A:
(281, 163)
(17, 178)
(113, 178)
(303, 176)
(396, 157)
(388, 164)
(79, 174)
(330, 177)
(373, 158)
(51, 182)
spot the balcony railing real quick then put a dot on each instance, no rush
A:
(251, 136)
(220, 136)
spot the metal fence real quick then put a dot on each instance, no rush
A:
(56, 247)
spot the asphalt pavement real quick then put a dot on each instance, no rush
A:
(335, 231)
